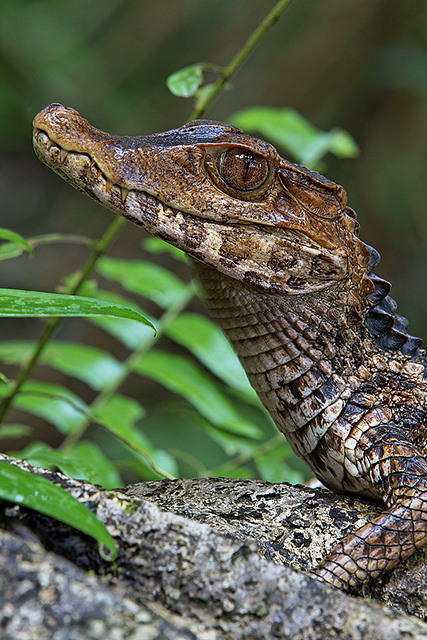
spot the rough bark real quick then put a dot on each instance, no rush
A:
(45, 596)
(291, 525)
(197, 573)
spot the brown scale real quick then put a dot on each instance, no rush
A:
(287, 278)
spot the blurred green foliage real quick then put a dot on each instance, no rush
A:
(110, 59)
(290, 131)
(229, 417)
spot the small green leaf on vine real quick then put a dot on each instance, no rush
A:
(185, 82)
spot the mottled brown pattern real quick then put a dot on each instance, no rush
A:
(287, 278)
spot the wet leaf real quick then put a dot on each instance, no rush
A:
(38, 493)
(19, 303)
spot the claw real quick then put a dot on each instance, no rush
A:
(123, 194)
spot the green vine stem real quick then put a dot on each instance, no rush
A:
(100, 248)
(227, 72)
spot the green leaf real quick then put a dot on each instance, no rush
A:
(38, 493)
(145, 279)
(101, 470)
(341, 144)
(14, 431)
(41, 454)
(207, 342)
(93, 366)
(156, 245)
(13, 249)
(188, 380)
(52, 402)
(120, 415)
(232, 444)
(202, 93)
(164, 463)
(16, 239)
(10, 250)
(126, 331)
(238, 473)
(84, 461)
(274, 468)
(287, 128)
(141, 466)
(129, 333)
(18, 303)
(185, 82)
(15, 351)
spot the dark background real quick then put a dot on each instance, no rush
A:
(356, 64)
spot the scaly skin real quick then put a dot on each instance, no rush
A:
(286, 277)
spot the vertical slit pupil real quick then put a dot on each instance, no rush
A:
(242, 170)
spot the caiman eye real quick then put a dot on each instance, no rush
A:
(241, 170)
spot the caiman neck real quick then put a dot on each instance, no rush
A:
(291, 347)
(316, 326)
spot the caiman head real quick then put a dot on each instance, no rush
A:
(227, 199)
(232, 203)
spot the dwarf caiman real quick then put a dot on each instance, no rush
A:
(285, 275)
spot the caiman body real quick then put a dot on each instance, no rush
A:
(287, 278)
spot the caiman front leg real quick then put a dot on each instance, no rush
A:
(400, 473)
